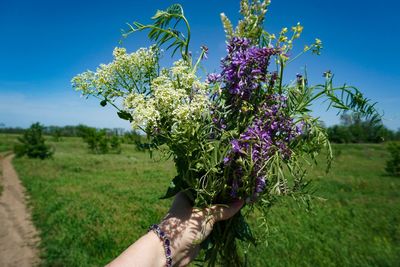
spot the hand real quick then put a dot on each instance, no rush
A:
(187, 227)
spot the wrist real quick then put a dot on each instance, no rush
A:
(146, 251)
(165, 243)
(157, 249)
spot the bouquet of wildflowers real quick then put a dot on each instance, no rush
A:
(242, 133)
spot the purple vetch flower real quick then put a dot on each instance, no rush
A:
(300, 128)
(245, 67)
(260, 185)
(235, 145)
(205, 49)
(218, 122)
(234, 188)
(271, 132)
(226, 160)
(213, 78)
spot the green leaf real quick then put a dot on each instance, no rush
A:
(165, 29)
(243, 231)
(103, 103)
(125, 115)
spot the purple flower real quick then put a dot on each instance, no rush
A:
(300, 128)
(235, 146)
(245, 67)
(226, 160)
(234, 188)
(205, 49)
(271, 132)
(260, 185)
(213, 78)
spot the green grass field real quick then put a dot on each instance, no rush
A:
(7, 142)
(91, 207)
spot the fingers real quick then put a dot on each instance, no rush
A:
(224, 212)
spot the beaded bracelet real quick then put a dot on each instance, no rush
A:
(166, 243)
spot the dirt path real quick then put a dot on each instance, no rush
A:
(18, 236)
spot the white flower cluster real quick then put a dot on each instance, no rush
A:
(143, 111)
(178, 98)
(125, 74)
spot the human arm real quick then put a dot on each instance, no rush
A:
(185, 226)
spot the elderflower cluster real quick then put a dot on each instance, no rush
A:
(177, 98)
(180, 94)
(128, 72)
(144, 112)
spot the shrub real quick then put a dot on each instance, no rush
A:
(138, 140)
(99, 141)
(32, 144)
(115, 144)
(353, 129)
(96, 140)
(56, 133)
(393, 164)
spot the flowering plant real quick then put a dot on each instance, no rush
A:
(242, 133)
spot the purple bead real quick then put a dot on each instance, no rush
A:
(166, 242)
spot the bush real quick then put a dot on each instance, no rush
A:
(99, 142)
(32, 144)
(115, 144)
(137, 140)
(393, 164)
(353, 129)
(56, 133)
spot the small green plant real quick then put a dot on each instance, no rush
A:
(138, 140)
(115, 144)
(99, 141)
(57, 135)
(96, 140)
(131, 137)
(32, 144)
(393, 164)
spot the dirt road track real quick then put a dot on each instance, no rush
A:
(18, 236)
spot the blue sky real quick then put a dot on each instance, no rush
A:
(45, 43)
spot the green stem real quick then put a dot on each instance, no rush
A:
(108, 101)
(198, 61)
(188, 37)
(281, 74)
(299, 54)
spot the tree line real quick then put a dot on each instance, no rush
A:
(65, 131)
(353, 129)
(99, 141)
(102, 141)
